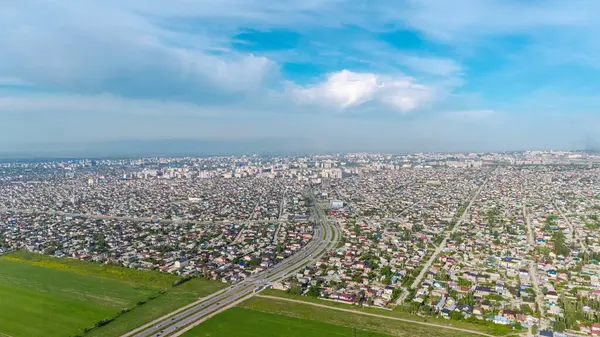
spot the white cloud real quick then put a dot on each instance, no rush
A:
(459, 19)
(347, 89)
(115, 49)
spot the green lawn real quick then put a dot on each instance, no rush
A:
(241, 322)
(43, 296)
(336, 317)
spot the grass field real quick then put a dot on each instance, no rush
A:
(488, 328)
(43, 296)
(172, 300)
(241, 322)
(331, 316)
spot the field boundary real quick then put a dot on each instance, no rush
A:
(376, 315)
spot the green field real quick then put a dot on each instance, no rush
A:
(241, 322)
(43, 296)
(336, 317)
(172, 300)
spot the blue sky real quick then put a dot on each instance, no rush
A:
(412, 75)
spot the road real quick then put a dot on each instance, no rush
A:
(405, 292)
(539, 297)
(572, 228)
(402, 297)
(239, 236)
(530, 238)
(442, 244)
(325, 237)
(441, 326)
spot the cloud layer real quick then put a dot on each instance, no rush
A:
(427, 64)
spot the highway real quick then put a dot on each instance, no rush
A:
(325, 237)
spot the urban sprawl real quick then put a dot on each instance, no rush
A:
(505, 238)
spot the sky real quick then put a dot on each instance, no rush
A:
(402, 75)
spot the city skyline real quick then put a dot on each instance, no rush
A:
(330, 75)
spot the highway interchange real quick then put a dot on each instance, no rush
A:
(326, 236)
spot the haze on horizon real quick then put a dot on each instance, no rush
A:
(466, 75)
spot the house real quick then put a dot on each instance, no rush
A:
(501, 320)
(181, 264)
(523, 274)
(463, 290)
(511, 315)
(552, 297)
(510, 263)
(595, 329)
(584, 328)
(482, 291)
(441, 304)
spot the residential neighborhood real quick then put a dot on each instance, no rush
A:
(505, 239)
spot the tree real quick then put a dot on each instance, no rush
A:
(386, 271)
(534, 329)
(526, 309)
(295, 290)
(463, 282)
(559, 326)
(560, 247)
(456, 315)
(314, 291)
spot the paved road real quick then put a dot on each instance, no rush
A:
(441, 326)
(442, 244)
(325, 236)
